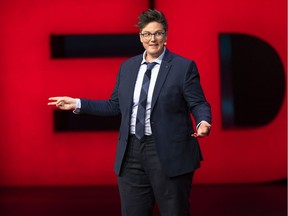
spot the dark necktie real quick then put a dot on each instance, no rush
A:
(140, 119)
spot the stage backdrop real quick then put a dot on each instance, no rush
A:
(42, 55)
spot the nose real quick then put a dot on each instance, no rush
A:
(152, 37)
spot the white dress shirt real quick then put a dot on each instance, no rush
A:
(137, 91)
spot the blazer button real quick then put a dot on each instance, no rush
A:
(152, 123)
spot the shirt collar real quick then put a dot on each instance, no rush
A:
(158, 60)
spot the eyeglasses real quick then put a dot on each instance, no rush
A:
(148, 35)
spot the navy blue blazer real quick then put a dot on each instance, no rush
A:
(177, 93)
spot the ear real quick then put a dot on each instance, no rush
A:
(165, 40)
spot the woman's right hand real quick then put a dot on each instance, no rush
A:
(63, 102)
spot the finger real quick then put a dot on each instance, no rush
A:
(54, 98)
(51, 103)
(203, 133)
(194, 135)
(59, 103)
(200, 135)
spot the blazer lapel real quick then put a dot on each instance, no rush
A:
(163, 72)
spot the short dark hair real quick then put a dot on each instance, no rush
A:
(152, 15)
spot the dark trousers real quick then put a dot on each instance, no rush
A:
(142, 181)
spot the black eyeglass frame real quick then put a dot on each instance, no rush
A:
(148, 35)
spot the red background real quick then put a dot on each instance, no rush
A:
(31, 153)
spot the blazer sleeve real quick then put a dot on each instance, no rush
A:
(194, 95)
(102, 107)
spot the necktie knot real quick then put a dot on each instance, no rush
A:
(150, 65)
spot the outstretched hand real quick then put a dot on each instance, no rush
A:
(203, 130)
(63, 103)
